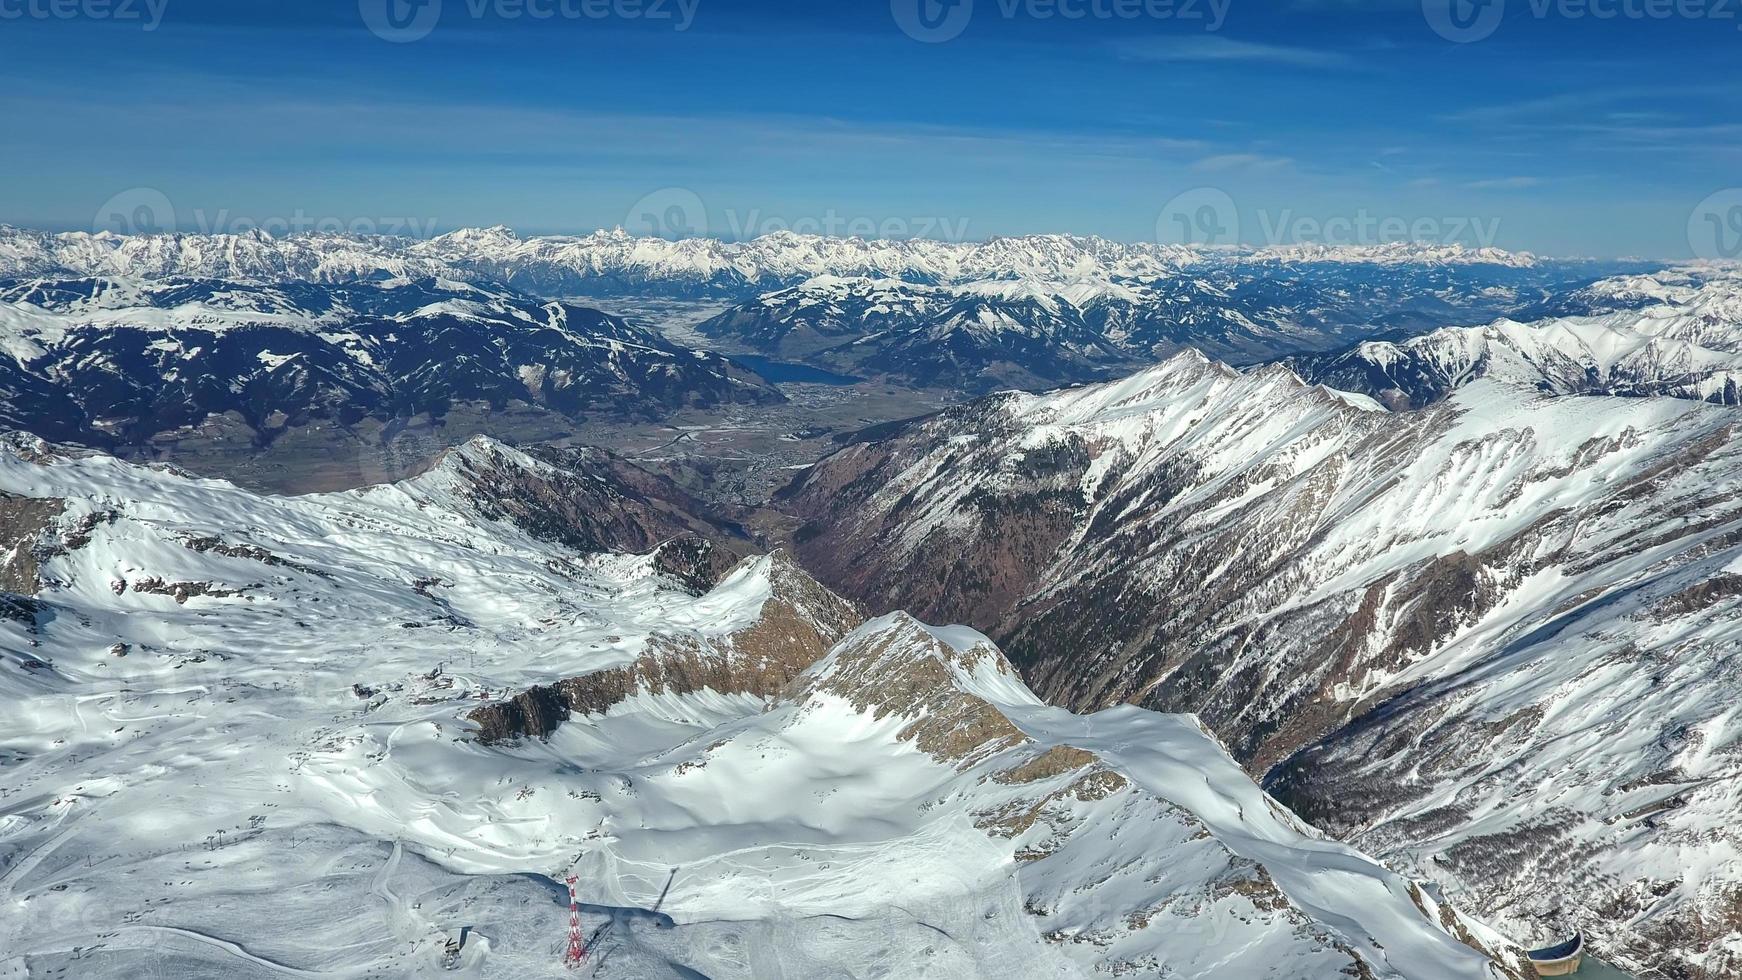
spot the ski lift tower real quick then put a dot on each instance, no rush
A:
(577, 949)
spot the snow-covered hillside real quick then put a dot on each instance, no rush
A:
(251, 736)
(118, 362)
(1639, 335)
(1497, 638)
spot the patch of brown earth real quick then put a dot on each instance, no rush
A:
(1013, 534)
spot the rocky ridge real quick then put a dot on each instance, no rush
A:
(1407, 621)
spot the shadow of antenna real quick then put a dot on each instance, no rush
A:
(665, 891)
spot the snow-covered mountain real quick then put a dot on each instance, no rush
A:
(1635, 335)
(119, 362)
(982, 336)
(613, 261)
(320, 258)
(1032, 312)
(1613, 294)
(257, 736)
(1036, 333)
(1496, 639)
(617, 262)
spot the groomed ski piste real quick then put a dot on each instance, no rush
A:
(236, 745)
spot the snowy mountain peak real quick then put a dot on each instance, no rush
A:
(890, 660)
(616, 255)
(494, 236)
(1667, 334)
(1354, 599)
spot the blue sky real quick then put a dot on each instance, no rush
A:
(1560, 131)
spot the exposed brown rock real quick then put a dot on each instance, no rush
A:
(22, 523)
(1700, 596)
(799, 623)
(80, 533)
(1054, 761)
(1014, 819)
(207, 544)
(536, 712)
(588, 499)
(905, 672)
(697, 562)
(1078, 557)
(183, 591)
(943, 580)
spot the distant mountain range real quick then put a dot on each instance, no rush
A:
(120, 362)
(1030, 312)
(1035, 333)
(613, 261)
(1666, 334)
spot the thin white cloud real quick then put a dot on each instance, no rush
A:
(1223, 162)
(1592, 103)
(1504, 183)
(1215, 48)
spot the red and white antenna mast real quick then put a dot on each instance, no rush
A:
(577, 951)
